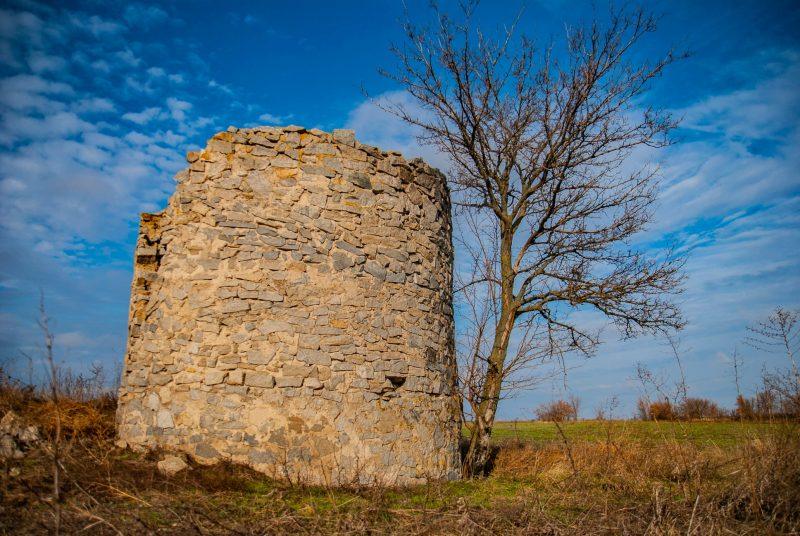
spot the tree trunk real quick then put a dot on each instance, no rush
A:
(478, 454)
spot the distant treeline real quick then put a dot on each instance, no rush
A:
(764, 405)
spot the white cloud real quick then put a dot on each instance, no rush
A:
(156, 72)
(101, 66)
(72, 177)
(144, 15)
(95, 25)
(769, 107)
(178, 108)
(20, 26)
(170, 139)
(137, 138)
(94, 105)
(132, 82)
(376, 126)
(72, 339)
(213, 84)
(24, 92)
(143, 117)
(201, 122)
(41, 63)
(127, 57)
(270, 119)
(726, 171)
(15, 128)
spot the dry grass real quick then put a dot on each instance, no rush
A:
(614, 484)
(751, 488)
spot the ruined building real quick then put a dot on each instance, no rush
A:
(291, 309)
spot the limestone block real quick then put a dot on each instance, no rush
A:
(344, 136)
(171, 465)
(259, 379)
(164, 419)
(213, 377)
(260, 357)
(289, 381)
(313, 383)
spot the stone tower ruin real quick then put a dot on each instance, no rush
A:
(291, 310)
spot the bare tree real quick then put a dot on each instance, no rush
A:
(736, 363)
(537, 139)
(780, 333)
(681, 388)
(575, 404)
(742, 410)
(53, 384)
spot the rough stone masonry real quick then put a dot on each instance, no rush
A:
(291, 309)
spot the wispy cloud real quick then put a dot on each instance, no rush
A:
(143, 117)
(144, 15)
(273, 119)
(213, 84)
(73, 177)
(374, 125)
(731, 203)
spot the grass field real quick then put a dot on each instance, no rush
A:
(715, 433)
(601, 477)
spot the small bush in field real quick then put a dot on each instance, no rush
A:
(557, 411)
(744, 408)
(699, 408)
(661, 411)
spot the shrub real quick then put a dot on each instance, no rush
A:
(661, 411)
(654, 411)
(744, 408)
(557, 411)
(699, 408)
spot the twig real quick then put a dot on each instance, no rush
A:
(49, 340)
(567, 447)
(691, 520)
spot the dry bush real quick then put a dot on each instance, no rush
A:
(661, 411)
(77, 418)
(557, 411)
(14, 395)
(744, 408)
(699, 408)
(769, 483)
(81, 415)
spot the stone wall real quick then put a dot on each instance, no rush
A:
(291, 309)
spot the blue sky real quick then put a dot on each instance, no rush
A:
(99, 101)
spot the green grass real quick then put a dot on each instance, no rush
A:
(722, 434)
(308, 500)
